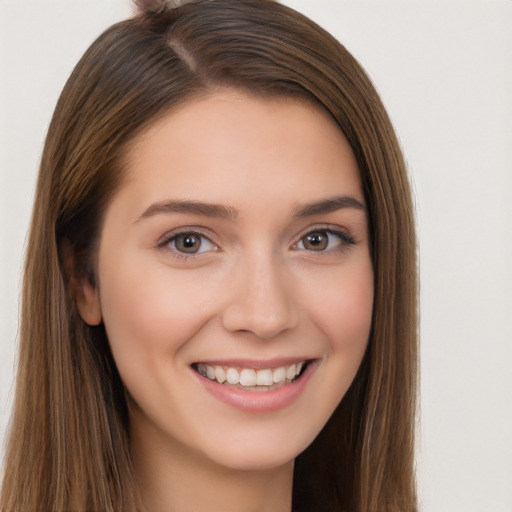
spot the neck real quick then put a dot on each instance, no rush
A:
(180, 480)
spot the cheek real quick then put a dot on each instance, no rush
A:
(147, 309)
(343, 312)
(343, 309)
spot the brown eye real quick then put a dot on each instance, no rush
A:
(316, 241)
(190, 243)
(187, 242)
(323, 240)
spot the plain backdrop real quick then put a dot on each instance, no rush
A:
(444, 71)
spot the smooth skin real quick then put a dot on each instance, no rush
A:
(278, 267)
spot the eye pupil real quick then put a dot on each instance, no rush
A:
(316, 241)
(188, 243)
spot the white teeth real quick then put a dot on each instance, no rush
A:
(264, 378)
(279, 374)
(210, 372)
(220, 374)
(249, 377)
(232, 376)
(291, 372)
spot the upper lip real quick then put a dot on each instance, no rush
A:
(257, 364)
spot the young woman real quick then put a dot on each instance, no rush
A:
(219, 303)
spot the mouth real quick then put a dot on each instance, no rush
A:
(252, 379)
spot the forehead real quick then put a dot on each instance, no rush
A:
(229, 146)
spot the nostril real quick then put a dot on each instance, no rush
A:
(263, 324)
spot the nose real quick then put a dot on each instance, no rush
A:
(261, 300)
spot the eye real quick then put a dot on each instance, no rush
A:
(321, 240)
(190, 242)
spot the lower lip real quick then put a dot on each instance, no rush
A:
(259, 401)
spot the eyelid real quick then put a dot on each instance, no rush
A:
(343, 234)
(346, 240)
(165, 240)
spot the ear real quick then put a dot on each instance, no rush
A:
(88, 301)
(82, 284)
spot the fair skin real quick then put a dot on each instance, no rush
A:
(236, 247)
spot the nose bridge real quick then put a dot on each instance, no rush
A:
(261, 300)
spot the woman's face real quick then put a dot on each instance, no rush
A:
(235, 250)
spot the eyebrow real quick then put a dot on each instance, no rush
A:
(194, 207)
(328, 205)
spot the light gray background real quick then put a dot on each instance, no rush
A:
(444, 71)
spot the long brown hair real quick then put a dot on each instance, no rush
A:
(68, 443)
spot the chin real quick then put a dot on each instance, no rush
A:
(261, 450)
(256, 459)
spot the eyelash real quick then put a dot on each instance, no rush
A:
(167, 240)
(344, 240)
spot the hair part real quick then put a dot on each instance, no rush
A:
(69, 438)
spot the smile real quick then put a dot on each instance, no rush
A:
(256, 386)
(251, 378)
